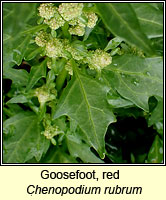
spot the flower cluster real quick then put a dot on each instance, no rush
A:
(62, 48)
(69, 68)
(99, 59)
(56, 22)
(42, 38)
(92, 19)
(44, 94)
(77, 30)
(50, 130)
(47, 10)
(55, 47)
(72, 13)
(134, 50)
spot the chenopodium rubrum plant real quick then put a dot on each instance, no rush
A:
(79, 82)
(76, 57)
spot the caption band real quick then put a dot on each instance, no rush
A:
(81, 188)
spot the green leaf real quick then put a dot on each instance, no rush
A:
(20, 49)
(84, 100)
(58, 155)
(113, 43)
(26, 141)
(150, 19)
(15, 20)
(157, 6)
(135, 78)
(116, 101)
(16, 17)
(11, 110)
(18, 99)
(34, 29)
(80, 47)
(87, 33)
(37, 72)
(157, 44)
(78, 149)
(31, 52)
(157, 114)
(19, 77)
(156, 117)
(155, 154)
(159, 127)
(122, 21)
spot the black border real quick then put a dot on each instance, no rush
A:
(80, 164)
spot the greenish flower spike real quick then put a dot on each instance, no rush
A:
(49, 63)
(69, 68)
(47, 10)
(77, 20)
(99, 59)
(54, 48)
(73, 22)
(70, 11)
(44, 94)
(42, 38)
(77, 30)
(55, 17)
(55, 22)
(92, 19)
(50, 130)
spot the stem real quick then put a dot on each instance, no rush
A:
(65, 31)
(61, 79)
(33, 107)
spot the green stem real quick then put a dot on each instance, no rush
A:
(34, 108)
(65, 31)
(61, 79)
